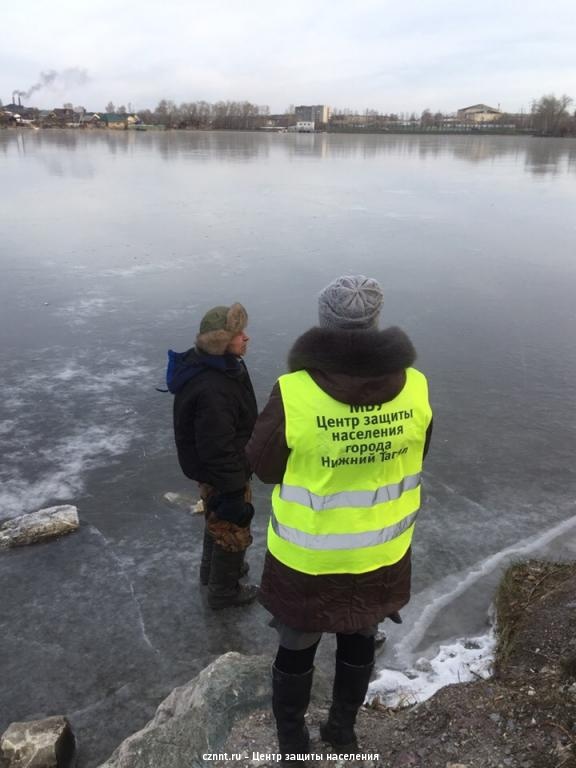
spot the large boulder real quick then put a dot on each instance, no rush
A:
(47, 743)
(196, 718)
(38, 526)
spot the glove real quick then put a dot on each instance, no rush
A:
(246, 519)
(232, 508)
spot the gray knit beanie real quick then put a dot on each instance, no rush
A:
(351, 302)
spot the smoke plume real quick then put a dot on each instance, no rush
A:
(65, 79)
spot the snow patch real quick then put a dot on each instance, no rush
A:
(462, 661)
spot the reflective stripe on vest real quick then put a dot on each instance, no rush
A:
(349, 498)
(330, 541)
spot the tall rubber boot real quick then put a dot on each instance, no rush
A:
(348, 694)
(224, 590)
(290, 699)
(206, 562)
(244, 567)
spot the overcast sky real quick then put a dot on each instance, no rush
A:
(398, 56)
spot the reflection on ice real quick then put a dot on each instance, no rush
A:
(72, 158)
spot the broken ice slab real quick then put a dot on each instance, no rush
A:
(185, 502)
(38, 526)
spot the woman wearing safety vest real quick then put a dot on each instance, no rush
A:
(343, 437)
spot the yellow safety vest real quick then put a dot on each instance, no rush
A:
(351, 490)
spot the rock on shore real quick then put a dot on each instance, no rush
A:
(196, 718)
(47, 743)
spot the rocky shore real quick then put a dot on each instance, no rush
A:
(522, 717)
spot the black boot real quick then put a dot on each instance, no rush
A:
(206, 562)
(223, 587)
(350, 686)
(290, 699)
(245, 567)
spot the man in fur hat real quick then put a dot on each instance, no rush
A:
(214, 413)
(343, 437)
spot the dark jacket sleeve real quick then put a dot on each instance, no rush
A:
(215, 427)
(206, 424)
(267, 450)
(428, 437)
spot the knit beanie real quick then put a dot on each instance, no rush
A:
(351, 302)
(219, 326)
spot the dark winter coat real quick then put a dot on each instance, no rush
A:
(357, 368)
(214, 414)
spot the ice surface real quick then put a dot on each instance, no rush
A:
(101, 275)
(427, 606)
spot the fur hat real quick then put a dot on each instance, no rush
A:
(219, 326)
(351, 302)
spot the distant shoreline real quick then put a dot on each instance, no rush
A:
(338, 131)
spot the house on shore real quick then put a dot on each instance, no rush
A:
(90, 120)
(479, 113)
(7, 119)
(17, 114)
(117, 121)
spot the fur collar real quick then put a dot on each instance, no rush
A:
(356, 353)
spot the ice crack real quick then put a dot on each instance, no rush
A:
(135, 600)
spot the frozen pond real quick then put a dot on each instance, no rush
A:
(112, 246)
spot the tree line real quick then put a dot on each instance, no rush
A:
(548, 116)
(239, 115)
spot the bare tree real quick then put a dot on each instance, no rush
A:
(110, 107)
(145, 115)
(551, 114)
(426, 118)
(166, 113)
